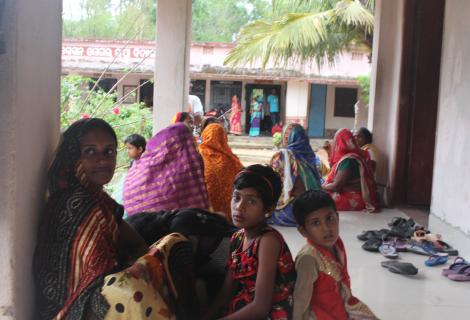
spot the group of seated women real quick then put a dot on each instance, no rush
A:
(91, 264)
(350, 180)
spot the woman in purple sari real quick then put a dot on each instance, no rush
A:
(169, 175)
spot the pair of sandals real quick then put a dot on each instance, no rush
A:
(434, 242)
(458, 271)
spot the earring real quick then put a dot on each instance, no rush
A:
(267, 215)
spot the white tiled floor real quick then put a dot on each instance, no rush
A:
(427, 295)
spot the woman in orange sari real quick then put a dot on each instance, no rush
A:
(220, 168)
(350, 182)
(235, 118)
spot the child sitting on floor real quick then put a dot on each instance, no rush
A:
(260, 270)
(323, 290)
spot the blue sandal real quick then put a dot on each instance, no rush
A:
(435, 260)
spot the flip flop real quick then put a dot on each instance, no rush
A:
(366, 235)
(459, 263)
(462, 275)
(400, 244)
(444, 247)
(436, 260)
(372, 245)
(388, 250)
(429, 247)
(405, 268)
(424, 248)
(416, 247)
(373, 234)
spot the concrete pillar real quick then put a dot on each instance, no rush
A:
(384, 98)
(29, 131)
(207, 103)
(171, 60)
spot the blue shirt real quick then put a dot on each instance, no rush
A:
(273, 101)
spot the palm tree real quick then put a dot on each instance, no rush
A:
(305, 31)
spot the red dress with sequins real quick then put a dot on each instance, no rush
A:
(243, 265)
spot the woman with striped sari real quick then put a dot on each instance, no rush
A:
(88, 263)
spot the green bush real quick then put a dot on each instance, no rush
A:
(126, 119)
(364, 84)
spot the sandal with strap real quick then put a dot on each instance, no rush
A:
(462, 275)
(372, 245)
(388, 250)
(459, 263)
(436, 260)
(373, 234)
(442, 246)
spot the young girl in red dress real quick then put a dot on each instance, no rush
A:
(260, 271)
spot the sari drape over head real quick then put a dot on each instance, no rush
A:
(220, 168)
(80, 272)
(75, 241)
(346, 147)
(296, 159)
(169, 175)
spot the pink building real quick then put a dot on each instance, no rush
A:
(322, 99)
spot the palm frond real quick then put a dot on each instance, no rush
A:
(313, 30)
(354, 13)
(277, 40)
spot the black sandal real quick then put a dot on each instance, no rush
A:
(405, 268)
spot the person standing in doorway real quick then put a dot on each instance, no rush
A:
(235, 118)
(273, 101)
(256, 116)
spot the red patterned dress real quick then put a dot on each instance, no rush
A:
(243, 264)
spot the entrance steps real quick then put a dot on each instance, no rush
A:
(253, 150)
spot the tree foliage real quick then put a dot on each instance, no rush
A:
(213, 20)
(364, 84)
(304, 31)
(221, 20)
(107, 19)
(126, 119)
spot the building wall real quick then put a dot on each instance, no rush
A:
(29, 131)
(385, 82)
(451, 181)
(297, 97)
(333, 123)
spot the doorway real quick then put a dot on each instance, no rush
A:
(260, 92)
(419, 93)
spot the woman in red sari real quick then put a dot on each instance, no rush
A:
(235, 118)
(350, 183)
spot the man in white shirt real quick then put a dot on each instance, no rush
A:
(195, 107)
